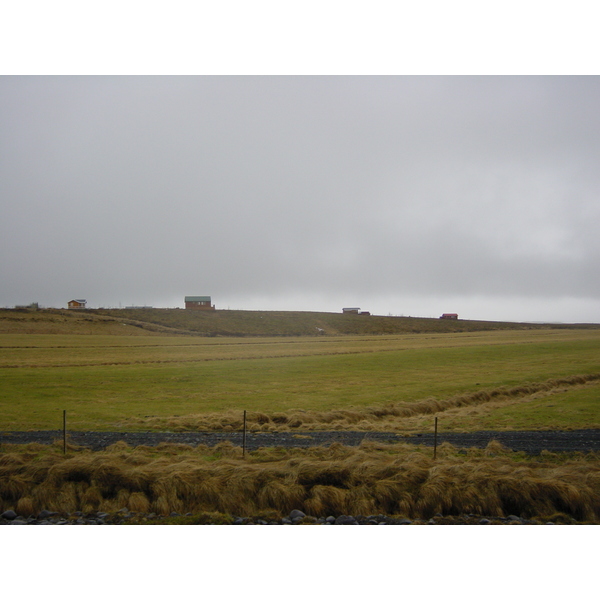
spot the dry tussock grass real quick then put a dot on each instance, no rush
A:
(373, 478)
(389, 417)
(326, 500)
(25, 506)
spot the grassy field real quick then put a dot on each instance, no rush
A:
(176, 371)
(500, 379)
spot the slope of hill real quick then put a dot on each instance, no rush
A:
(236, 323)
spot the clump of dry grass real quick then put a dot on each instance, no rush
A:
(398, 479)
(280, 495)
(25, 506)
(91, 500)
(326, 500)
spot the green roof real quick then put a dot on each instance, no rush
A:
(197, 298)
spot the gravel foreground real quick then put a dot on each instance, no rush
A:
(296, 517)
(531, 442)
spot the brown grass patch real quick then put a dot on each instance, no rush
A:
(25, 507)
(398, 479)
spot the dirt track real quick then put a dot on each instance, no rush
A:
(532, 442)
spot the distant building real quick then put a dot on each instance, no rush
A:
(77, 303)
(350, 311)
(449, 316)
(32, 306)
(199, 303)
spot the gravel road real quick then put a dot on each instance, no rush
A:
(532, 442)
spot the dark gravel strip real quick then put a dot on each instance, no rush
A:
(532, 442)
(296, 517)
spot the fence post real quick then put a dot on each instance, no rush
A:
(435, 439)
(244, 438)
(64, 431)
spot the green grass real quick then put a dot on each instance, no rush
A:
(111, 382)
(572, 409)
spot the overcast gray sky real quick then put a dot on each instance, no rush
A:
(399, 195)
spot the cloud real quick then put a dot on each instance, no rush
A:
(301, 189)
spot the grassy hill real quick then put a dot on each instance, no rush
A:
(236, 323)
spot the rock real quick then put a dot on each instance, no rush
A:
(330, 519)
(346, 520)
(44, 514)
(297, 514)
(9, 514)
(404, 522)
(484, 522)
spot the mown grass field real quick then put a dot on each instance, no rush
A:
(519, 379)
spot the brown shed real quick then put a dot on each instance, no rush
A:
(76, 303)
(199, 303)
